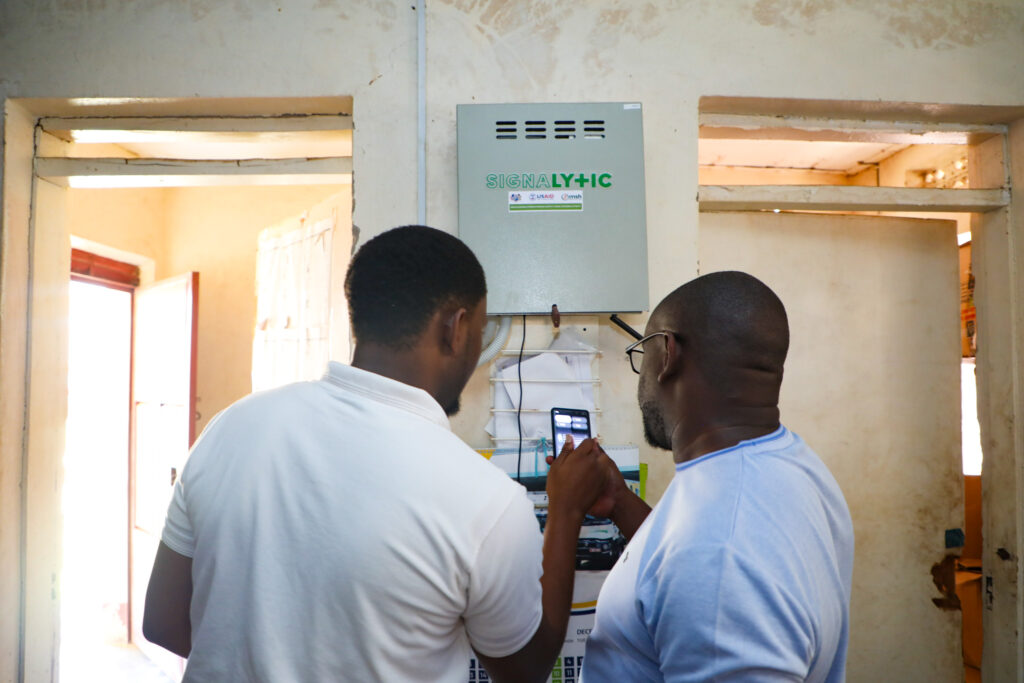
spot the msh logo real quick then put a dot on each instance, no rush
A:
(572, 196)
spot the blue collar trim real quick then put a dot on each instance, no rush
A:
(779, 433)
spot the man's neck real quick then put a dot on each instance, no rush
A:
(692, 445)
(404, 366)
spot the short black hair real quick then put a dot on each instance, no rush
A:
(400, 278)
(734, 321)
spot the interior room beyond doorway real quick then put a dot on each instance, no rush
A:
(206, 221)
(94, 587)
(733, 152)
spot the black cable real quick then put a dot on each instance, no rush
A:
(519, 410)
(625, 326)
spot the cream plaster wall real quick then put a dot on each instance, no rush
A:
(214, 231)
(873, 315)
(131, 220)
(666, 55)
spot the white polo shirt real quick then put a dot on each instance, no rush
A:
(338, 530)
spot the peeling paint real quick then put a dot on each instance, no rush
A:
(387, 13)
(908, 23)
(964, 23)
(498, 19)
(782, 13)
(639, 22)
(642, 22)
(334, 6)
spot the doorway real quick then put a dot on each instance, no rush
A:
(166, 225)
(214, 231)
(777, 172)
(95, 639)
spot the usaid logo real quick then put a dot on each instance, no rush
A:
(534, 196)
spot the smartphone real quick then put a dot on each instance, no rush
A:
(569, 421)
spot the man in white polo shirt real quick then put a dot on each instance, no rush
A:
(338, 530)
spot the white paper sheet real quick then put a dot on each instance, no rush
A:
(538, 395)
(573, 389)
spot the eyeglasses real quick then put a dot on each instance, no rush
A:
(635, 351)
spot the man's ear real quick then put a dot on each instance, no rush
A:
(672, 361)
(453, 329)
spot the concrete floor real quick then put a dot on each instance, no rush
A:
(109, 663)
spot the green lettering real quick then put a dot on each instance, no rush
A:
(558, 179)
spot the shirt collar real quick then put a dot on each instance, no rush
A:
(386, 390)
(782, 435)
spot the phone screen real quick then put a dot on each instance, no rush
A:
(566, 421)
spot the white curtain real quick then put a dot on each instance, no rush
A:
(293, 303)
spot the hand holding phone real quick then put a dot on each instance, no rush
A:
(565, 422)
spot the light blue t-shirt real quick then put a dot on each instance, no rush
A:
(741, 572)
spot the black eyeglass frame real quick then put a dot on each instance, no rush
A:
(637, 347)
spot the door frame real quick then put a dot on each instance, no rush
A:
(34, 267)
(997, 231)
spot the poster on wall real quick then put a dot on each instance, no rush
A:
(598, 548)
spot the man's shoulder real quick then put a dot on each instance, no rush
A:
(272, 399)
(450, 451)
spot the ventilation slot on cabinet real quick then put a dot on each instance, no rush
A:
(505, 130)
(536, 130)
(565, 130)
(593, 130)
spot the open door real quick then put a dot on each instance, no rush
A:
(872, 384)
(163, 428)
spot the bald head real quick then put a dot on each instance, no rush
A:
(736, 327)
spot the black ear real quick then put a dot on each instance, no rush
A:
(453, 330)
(673, 359)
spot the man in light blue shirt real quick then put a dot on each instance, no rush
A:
(742, 571)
